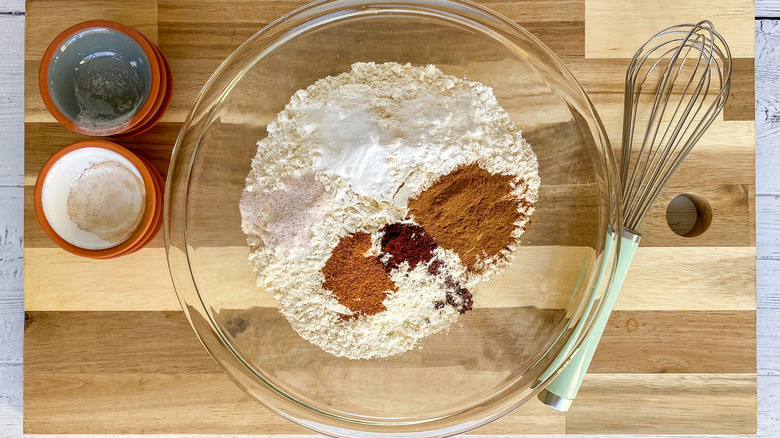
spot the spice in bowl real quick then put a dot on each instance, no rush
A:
(379, 199)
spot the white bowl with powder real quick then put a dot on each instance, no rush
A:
(95, 198)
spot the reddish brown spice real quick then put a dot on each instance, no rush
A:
(359, 282)
(405, 242)
(470, 211)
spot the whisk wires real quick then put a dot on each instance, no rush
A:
(676, 85)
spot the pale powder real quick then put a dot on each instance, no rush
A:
(107, 200)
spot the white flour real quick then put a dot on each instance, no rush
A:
(344, 156)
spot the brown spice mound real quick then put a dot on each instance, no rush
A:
(470, 211)
(359, 282)
(405, 242)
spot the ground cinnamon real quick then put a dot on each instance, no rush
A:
(470, 211)
(358, 281)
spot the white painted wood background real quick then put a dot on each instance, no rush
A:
(767, 211)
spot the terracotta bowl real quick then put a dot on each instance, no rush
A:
(57, 175)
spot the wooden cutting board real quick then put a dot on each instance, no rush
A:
(108, 350)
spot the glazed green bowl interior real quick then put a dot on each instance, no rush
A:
(492, 360)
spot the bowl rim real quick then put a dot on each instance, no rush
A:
(138, 116)
(157, 220)
(176, 245)
(151, 121)
(150, 201)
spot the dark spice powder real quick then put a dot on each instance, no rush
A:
(405, 242)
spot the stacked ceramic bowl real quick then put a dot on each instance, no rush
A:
(102, 78)
(96, 199)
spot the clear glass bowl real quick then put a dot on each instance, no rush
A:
(497, 356)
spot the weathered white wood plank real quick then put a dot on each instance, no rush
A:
(768, 317)
(768, 226)
(12, 100)
(11, 216)
(768, 106)
(11, 400)
(768, 399)
(768, 216)
(11, 282)
(11, 238)
(767, 8)
(15, 7)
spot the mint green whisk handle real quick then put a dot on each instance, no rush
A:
(560, 393)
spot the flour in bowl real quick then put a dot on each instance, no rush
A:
(350, 196)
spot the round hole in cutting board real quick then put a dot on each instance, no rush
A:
(689, 215)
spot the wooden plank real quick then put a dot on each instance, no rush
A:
(694, 279)
(768, 224)
(677, 342)
(12, 7)
(722, 136)
(12, 98)
(195, 403)
(106, 342)
(741, 102)
(614, 29)
(689, 404)
(112, 285)
(730, 218)
(11, 395)
(11, 203)
(767, 106)
(608, 75)
(11, 239)
(691, 279)
(11, 276)
(730, 204)
(768, 322)
(182, 24)
(767, 9)
(155, 145)
(638, 342)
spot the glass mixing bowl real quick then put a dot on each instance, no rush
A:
(496, 357)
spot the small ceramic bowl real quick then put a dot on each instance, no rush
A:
(101, 78)
(97, 199)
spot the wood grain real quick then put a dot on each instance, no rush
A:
(741, 102)
(108, 350)
(214, 406)
(614, 29)
(694, 403)
(767, 9)
(11, 205)
(644, 342)
(11, 101)
(694, 280)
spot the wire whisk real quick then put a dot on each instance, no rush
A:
(676, 85)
